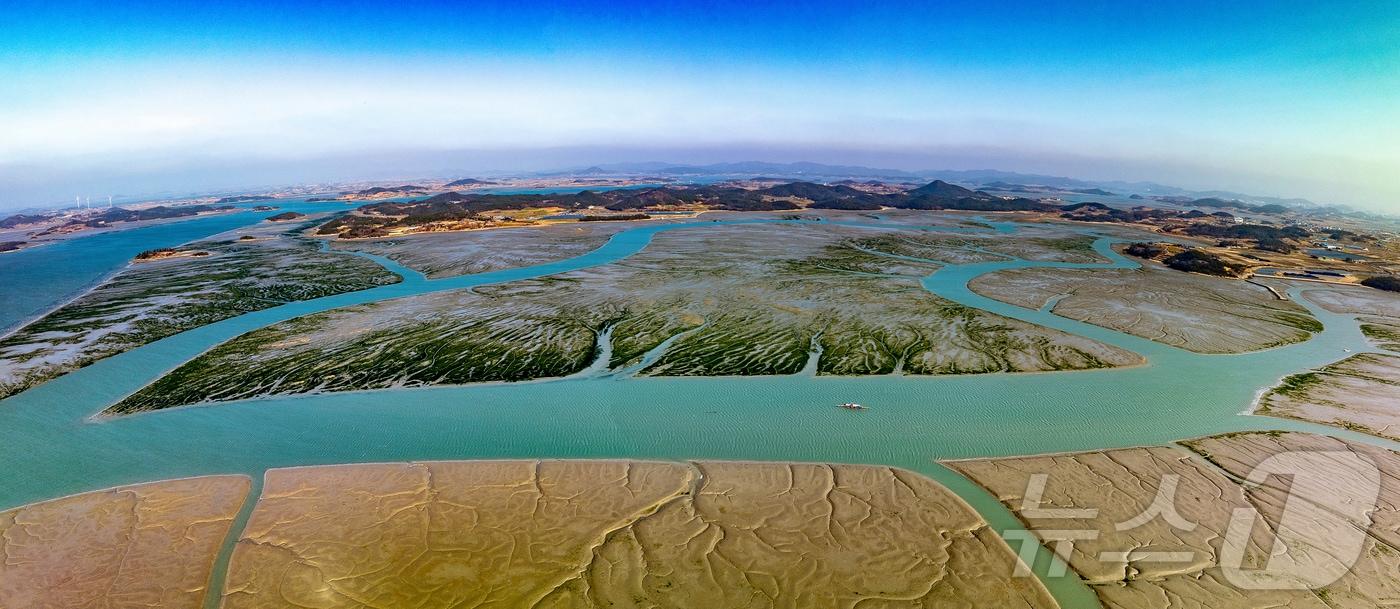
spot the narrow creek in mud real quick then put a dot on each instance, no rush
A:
(53, 446)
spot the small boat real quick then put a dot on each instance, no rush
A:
(854, 406)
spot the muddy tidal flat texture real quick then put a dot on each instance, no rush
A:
(732, 300)
(1194, 312)
(1038, 243)
(1360, 393)
(1379, 312)
(449, 254)
(595, 534)
(1373, 580)
(1160, 562)
(152, 300)
(1357, 300)
(147, 545)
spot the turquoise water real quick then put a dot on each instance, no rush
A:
(512, 190)
(1335, 254)
(560, 190)
(54, 273)
(40, 278)
(51, 447)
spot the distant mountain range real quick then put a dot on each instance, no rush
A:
(745, 168)
(978, 178)
(469, 182)
(375, 220)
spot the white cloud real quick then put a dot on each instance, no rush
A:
(308, 108)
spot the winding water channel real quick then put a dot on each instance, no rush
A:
(53, 447)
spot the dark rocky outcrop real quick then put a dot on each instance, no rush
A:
(469, 182)
(1382, 282)
(1198, 261)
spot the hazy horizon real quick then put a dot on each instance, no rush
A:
(238, 175)
(1271, 99)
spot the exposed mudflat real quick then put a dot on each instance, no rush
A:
(732, 300)
(1358, 300)
(159, 298)
(618, 534)
(1384, 331)
(147, 545)
(1195, 312)
(1371, 580)
(449, 254)
(1378, 311)
(1361, 393)
(1133, 562)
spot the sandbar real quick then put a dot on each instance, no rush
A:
(146, 545)
(618, 534)
(1161, 564)
(1360, 393)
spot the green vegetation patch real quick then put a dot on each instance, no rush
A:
(1297, 385)
(738, 301)
(1303, 321)
(1203, 262)
(738, 344)
(1387, 336)
(856, 256)
(153, 300)
(645, 327)
(486, 349)
(1382, 282)
(1078, 244)
(928, 247)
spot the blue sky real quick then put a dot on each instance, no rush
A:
(1279, 98)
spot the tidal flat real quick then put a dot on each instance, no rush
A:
(610, 414)
(144, 545)
(1195, 312)
(151, 300)
(1157, 562)
(449, 254)
(1360, 393)
(761, 299)
(1379, 312)
(593, 534)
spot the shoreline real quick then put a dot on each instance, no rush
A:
(84, 291)
(448, 415)
(1143, 361)
(523, 225)
(124, 486)
(99, 418)
(111, 228)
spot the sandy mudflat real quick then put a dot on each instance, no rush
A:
(1122, 484)
(1374, 580)
(1357, 300)
(1378, 311)
(1194, 312)
(157, 298)
(618, 534)
(744, 300)
(1361, 393)
(1383, 331)
(450, 254)
(148, 545)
